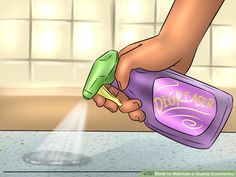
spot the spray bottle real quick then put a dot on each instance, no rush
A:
(177, 106)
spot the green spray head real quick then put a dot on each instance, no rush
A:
(102, 72)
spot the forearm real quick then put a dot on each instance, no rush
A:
(188, 21)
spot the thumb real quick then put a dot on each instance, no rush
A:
(123, 71)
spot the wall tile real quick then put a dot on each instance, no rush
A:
(90, 40)
(51, 9)
(163, 8)
(14, 73)
(81, 71)
(52, 73)
(127, 34)
(51, 39)
(95, 10)
(202, 56)
(226, 14)
(135, 10)
(14, 39)
(200, 73)
(224, 77)
(14, 8)
(224, 42)
(158, 28)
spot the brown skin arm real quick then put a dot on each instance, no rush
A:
(173, 48)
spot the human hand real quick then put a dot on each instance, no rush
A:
(130, 106)
(152, 54)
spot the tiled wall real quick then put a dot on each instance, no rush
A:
(54, 42)
(215, 61)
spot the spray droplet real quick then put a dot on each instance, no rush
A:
(56, 158)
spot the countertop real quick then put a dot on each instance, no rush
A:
(118, 154)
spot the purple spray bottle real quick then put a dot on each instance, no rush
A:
(177, 106)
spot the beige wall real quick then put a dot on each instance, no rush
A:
(46, 112)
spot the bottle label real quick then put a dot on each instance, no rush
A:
(183, 107)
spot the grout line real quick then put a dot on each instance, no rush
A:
(64, 20)
(211, 53)
(30, 42)
(159, 23)
(89, 61)
(5, 19)
(221, 25)
(48, 60)
(155, 18)
(213, 66)
(113, 22)
(63, 60)
(142, 23)
(48, 19)
(13, 59)
(211, 46)
(72, 39)
(72, 31)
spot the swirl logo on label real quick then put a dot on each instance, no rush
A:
(183, 107)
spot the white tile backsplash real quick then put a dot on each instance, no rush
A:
(224, 77)
(51, 9)
(93, 33)
(163, 7)
(81, 71)
(201, 73)
(52, 73)
(14, 39)
(224, 42)
(90, 40)
(94, 10)
(51, 40)
(158, 28)
(14, 73)
(202, 56)
(127, 34)
(226, 14)
(135, 11)
(14, 8)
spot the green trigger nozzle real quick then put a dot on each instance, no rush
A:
(102, 72)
